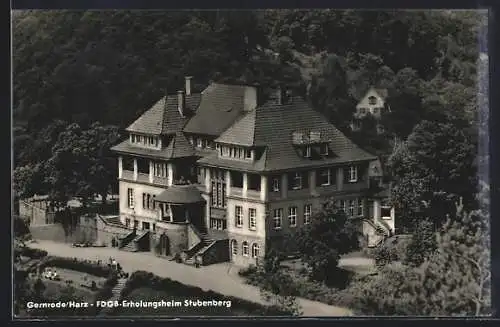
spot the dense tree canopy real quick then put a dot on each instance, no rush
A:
(79, 67)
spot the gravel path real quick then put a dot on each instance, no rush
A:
(221, 278)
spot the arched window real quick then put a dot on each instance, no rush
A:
(234, 247)
(245, 248)
(255, 250)
(372, 100)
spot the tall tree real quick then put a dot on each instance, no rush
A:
(320, 243)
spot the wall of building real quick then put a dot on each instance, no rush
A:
(137, 213)
(239, 259)
(106, 232)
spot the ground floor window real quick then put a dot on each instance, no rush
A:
(136, 224)
(255, 250)
(145, 225)
(127, 222)
(234, 247)
(245, 248)
(219, 224)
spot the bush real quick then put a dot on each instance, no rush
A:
(140, 279)
(77, 265)
(393, 249)
(30, 252)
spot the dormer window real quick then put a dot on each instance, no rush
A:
(199, 143)
(372, 100)
(191, 140)
(248, 154)
(325, 177)
(276, 184)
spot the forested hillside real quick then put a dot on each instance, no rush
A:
(81, 67)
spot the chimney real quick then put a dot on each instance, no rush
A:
(188, 85)
(250, 98)
(181, 101)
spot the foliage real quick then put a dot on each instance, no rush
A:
(321, 243)
(393, 249)
(30, 252)
(21, 228)
(140, 279)
(454, 280)
(422, 244)
(88, 267)
(432, 170)
(81, 163)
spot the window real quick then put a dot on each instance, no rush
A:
(292, 216)
(375, 111)
(308, 152)
(352, 207)
(154, 227)
(199, 143)
(130, 196)
(234, 247)
(127, 222)
(278, 213)
(136, 224)
(160, 169)
(218, 224)
(353, 174)
(252, 218)
(325, 176)
(276, 184)
(145, 225)
(297, 181)
(323, 149)
(360, 207)
(342, 205)
(255, 250)
(248, 154)
(132, 138)
(238, 213)
(245, 248)
(148, 201)
(307, 213)
(362, 111)
(372, 100)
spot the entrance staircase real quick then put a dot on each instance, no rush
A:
(200, 248)
(131, 245)
(382, 232)
(116, 291)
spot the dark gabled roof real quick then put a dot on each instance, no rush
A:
(220, 106)
(178, 147)
(164, 118)
(180, 194)
(272, 125)
(241, 132)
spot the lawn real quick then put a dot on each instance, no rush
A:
(149, 294)
(78, 279)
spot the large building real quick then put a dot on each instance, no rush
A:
(218, 176)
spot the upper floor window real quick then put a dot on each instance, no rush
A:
(160, 169)
(276, 184)
(372, 100)
(296, 179)
(360, 207)
(292, 216)
(325, 177)
(252, 218)
(278, 214)
(307, 213)
(234, 152)
(130, 197)
(238, 213)
(323, 149)
(352, 207)
(353, 174)
(308, 152)
(375, 111)
(149, 141)
(362, 111)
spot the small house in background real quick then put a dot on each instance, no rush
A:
(373, 104)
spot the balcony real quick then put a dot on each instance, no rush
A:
(128, 174)
(160, 180)
(142, 177)
(238, 193)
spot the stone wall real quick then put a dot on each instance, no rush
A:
(245, 260)
(36, 212)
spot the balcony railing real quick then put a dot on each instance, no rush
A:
(142, 177)
(128, 174)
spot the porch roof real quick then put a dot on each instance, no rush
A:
(180, 194)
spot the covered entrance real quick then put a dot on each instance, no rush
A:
(182, 204)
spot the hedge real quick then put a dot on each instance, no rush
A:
(146, 279)
(77, 265)
(30, 252)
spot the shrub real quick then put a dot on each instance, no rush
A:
(393, 249)
(30, 252)
(145, 279)
(77, 265)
